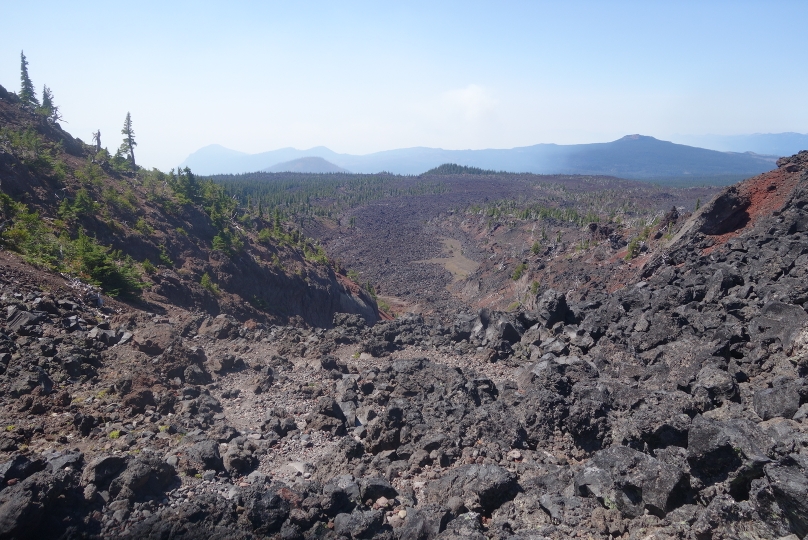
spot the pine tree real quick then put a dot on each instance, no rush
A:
(47, 101)
(27, 92)
(128, 145)
(48, 109)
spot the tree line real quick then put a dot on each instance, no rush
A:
(49, 110)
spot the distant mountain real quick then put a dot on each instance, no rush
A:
(777, 144)
(633, 156)
(306, 165)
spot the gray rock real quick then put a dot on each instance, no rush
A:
(359, 524)
(632, 482)
(730, 450)
(551, 307)
(782, 400)
(714, 387)
(102, 469)
(481, 487)
(194, 374)
(202, 456)
(24, 505)
(790, 488)
(21, 319)
(374, 487)
(464, 526)
(60, 460)
(19, 467)
(778, 321)
(424, 523)
(341, 494)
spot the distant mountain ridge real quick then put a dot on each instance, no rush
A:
(306, 165)
(633, 156)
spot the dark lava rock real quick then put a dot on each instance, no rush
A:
(779, 401)
(734, 451)
(482, 488)
(623, 478)
(373, 488)
(359, 524)
(101, 470)
(19, 467)
(203, 456)
(789, 485)
(24, 505)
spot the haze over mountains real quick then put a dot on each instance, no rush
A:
(306, 165)
(633, 156)
(779, 144)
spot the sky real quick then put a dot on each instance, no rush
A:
(360, 77)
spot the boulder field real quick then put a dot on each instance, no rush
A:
(673, 407)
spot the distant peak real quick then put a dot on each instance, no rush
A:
(636, 137)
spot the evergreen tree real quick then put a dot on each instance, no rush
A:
(47, 100)
(27, 92)
(48, 109)
(128, 145)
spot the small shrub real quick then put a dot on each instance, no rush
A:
(264, 236)
(83, 204)
(519, 271)
(115, 434)
(164, 257)
(633, 249)
(208, 284)
(143, 227)
(148, 267)
(383, 306)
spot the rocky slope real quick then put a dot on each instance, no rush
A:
(181, 227)
(672, 407)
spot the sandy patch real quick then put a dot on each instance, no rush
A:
(455, 262)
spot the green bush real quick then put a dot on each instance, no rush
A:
(383, 306)
(117, 275)
(164, 257)
(90, 174)
(264, 236)
(83, 204)
(142, 226)
(221, 242)
(208, 284)
(227, 242)
(633, 249)
(38, 244)
(519, 271)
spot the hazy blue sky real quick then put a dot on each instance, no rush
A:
(360, 77)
